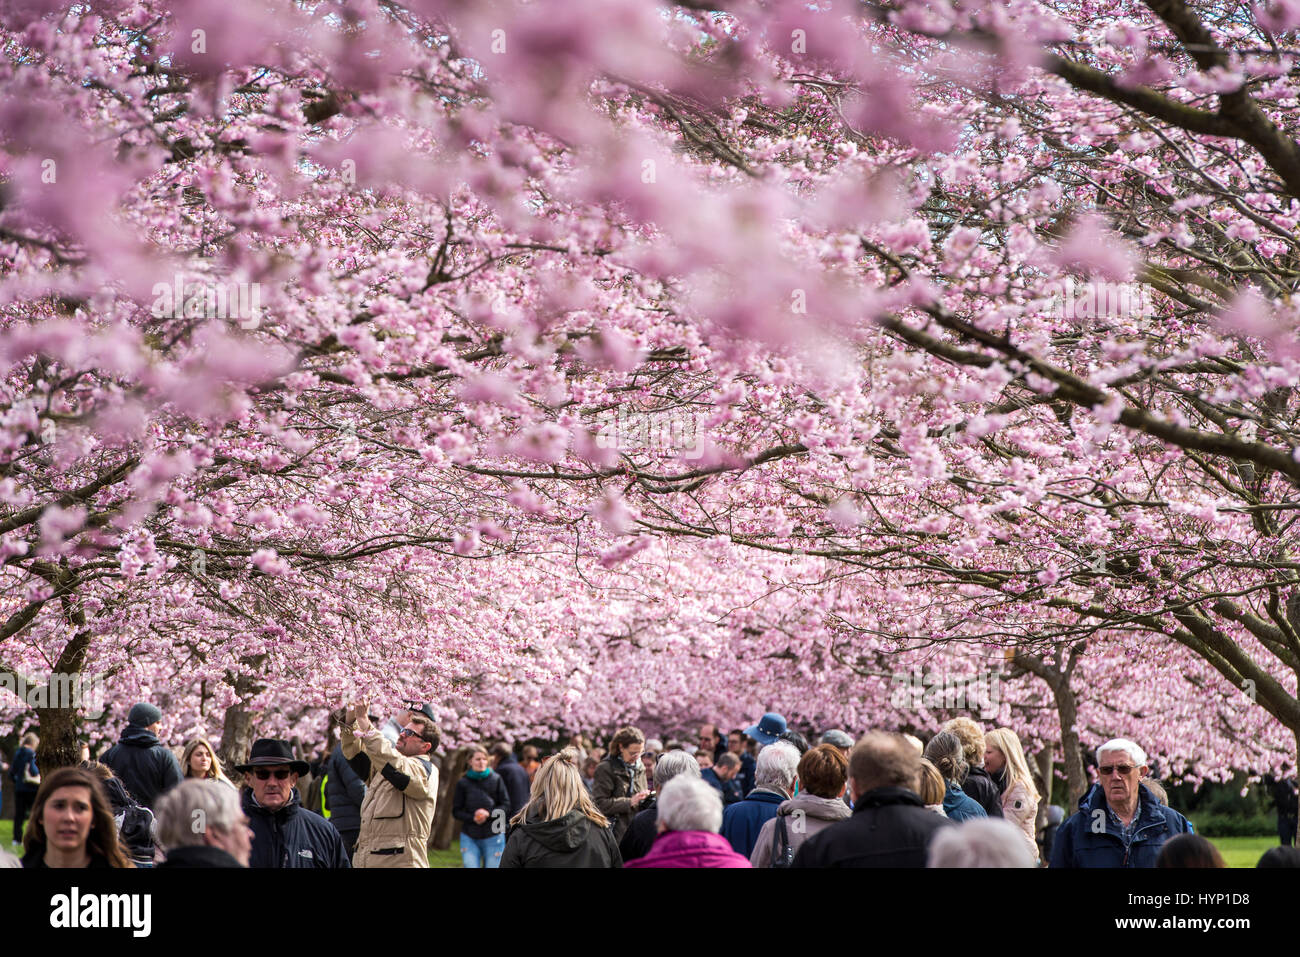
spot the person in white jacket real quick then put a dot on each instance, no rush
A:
(1004, 759)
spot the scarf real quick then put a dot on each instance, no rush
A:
(478, 775)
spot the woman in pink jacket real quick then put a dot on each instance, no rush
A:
(690, 816)
(1004, 760)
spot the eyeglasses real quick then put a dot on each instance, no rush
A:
(280, 774)
(1123, 769)
(408, 733)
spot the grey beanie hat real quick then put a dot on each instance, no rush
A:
(839, 739)
(143, 714)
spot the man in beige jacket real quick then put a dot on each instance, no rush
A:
(401, 787)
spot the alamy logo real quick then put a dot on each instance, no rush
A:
(76, 910)
(70, 691)
(1098, 300)
(630, 430)
(981, 693)
(205, 300)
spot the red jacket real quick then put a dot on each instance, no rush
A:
(690, 849)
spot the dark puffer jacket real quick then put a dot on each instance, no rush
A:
(135, 824)
(292, 836)
(569, 841)
(1077, 844)
(889, 827)
(147, 768)
(344, 792)
(980, 786)
(491, 795)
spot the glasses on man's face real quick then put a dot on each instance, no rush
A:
(1123, 769)
(408, 733)
(264, 773)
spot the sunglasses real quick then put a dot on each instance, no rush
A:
(408, 733)
(263, 774)
(1123, 769)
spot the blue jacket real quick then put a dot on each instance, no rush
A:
(24, 759)
(960, 806)
(742, 821)
(1077, 844)
(730, 790)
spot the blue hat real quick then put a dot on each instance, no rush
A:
(769, 728)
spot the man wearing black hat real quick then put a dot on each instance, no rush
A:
(285, 834)
(146, 766)
(401, 786)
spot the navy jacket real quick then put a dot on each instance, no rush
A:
(491, 795)
(344, 792)
(1078, 843)
(24, 759)
(983, 790)
(517, 783)
(742, 821)
(146, 767)
(730, 790)
(292, 836)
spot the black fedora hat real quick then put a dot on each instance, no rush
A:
(270, 752)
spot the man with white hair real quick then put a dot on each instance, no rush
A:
(690, 813)
(1119, 823)
(774, 776)
(640, 835)
(982, 842)
(200, 824)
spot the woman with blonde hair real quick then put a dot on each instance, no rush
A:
(560, 826)
(1004, 759)
(199, 760)
(931, 786)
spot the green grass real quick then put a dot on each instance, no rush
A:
(1236, 851)
(448, 858)
(1242, 851)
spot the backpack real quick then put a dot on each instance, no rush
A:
(135, 828)
(782, 852)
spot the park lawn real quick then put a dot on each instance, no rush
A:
(1236, 851)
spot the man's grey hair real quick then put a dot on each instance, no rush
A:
(689, 804)
(1135, 754)
(982, 842)
(672, 764)
(188, 810)
(777, 765)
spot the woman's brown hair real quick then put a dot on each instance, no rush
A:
(102, 840)
(823, 771)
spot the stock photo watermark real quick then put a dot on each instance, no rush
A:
(672, 430)
(66, 691)
(1098, 300)
(240, 301)
(934, 690)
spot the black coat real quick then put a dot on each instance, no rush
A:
(517, 783)
(135, 824)
(980, 786)
(489, 794)
(292, 836)
(344, 792)
(569, 841)
(889, 827)
(146, 767)
(640, 835)
(199, 855)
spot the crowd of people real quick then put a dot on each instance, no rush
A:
(764, 796)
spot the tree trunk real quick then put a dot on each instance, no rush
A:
(1068, 711)
(237, 736)
(444, 825)
(59, 747)
(1044, 765)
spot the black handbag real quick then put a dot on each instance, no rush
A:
(782, 852)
